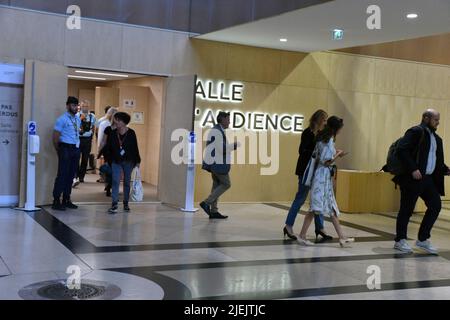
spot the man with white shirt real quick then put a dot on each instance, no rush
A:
(422, 155)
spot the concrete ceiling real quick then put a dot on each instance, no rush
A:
(310, 29)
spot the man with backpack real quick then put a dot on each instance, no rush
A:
(421, 157)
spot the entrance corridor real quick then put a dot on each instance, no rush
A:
(156, 252)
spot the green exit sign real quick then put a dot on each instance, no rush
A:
(338, 34)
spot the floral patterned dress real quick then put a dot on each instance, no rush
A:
(322, 193)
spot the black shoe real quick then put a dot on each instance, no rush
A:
(289, 235)
(69, 205)
(81, 180)
(206, 208)
(57, 206)
(217, 215)
(113, 209)
(108, 193)
(126, 208)
(325, 237)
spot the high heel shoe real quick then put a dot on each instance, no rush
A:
(325, 237)
(343, 242)
(289, 235)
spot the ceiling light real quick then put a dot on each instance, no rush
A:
(412, 15)
(103, 74)
(87, 78)
(283, 40)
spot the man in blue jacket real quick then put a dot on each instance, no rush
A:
(217, 161)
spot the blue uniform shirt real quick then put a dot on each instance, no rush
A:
(69, 127)
(89, 121)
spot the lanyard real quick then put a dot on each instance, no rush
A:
(75, 126)
(120, 140)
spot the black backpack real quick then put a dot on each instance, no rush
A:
(393, 164)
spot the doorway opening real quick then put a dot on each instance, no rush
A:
(142, 97)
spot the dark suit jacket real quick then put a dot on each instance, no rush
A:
(305, 151)
(407, 154)
(219, 165)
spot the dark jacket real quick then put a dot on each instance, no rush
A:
(212, 163)
(305, 151)
(407, 149)
(130, 145)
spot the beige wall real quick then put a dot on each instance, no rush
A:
(150, 132)
(378, 99)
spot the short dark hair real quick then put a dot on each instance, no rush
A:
(72, 100)
(222, 115)
(107, 109)
(123, 116)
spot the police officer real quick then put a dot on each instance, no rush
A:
(66, 140)
(87, 130)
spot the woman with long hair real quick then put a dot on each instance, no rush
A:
(308, 142)
(323, 201)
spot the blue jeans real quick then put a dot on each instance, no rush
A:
(68, 158)
(117, 168)
(300, 198)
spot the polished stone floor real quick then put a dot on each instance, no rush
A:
(156, 252)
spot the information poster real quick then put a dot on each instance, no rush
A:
(11, 102)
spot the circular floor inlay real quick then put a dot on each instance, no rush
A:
(57, 290)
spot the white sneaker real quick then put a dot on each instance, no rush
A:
(403, 246)
(76, 182)
(426, 245)
(304, 242)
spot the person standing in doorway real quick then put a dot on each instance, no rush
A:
(67, 145)
(86, 134)
(323, 201)
(422, 155)
(217, 161)
(307, 145)
(122, 146)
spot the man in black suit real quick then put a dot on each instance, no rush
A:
(421, 153)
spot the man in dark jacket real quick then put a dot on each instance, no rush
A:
(217, 161)
(421, 153)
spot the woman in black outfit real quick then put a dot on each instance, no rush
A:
(307, 145)
(123, 151)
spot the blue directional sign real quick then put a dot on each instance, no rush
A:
(32, 128)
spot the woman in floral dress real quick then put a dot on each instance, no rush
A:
(322, 194)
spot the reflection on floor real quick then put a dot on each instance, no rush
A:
(92, 191)
(156, 252)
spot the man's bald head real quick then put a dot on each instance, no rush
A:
(431, 118)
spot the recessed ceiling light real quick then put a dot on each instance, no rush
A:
(87, 78)
(283, 40)
(412, 15)
(103, 74)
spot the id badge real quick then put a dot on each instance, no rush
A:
(122, 152)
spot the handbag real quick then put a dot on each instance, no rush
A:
(137, 191)
(310, 169)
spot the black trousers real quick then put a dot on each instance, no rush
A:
(85, 149)
(410, 192)
(68, 159)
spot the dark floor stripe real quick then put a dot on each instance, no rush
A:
(64, 234)
(255, 263)
(314, 292)
(385, 235)
(224, 244)
(173, 289)
(79, 245)
(411, 221)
